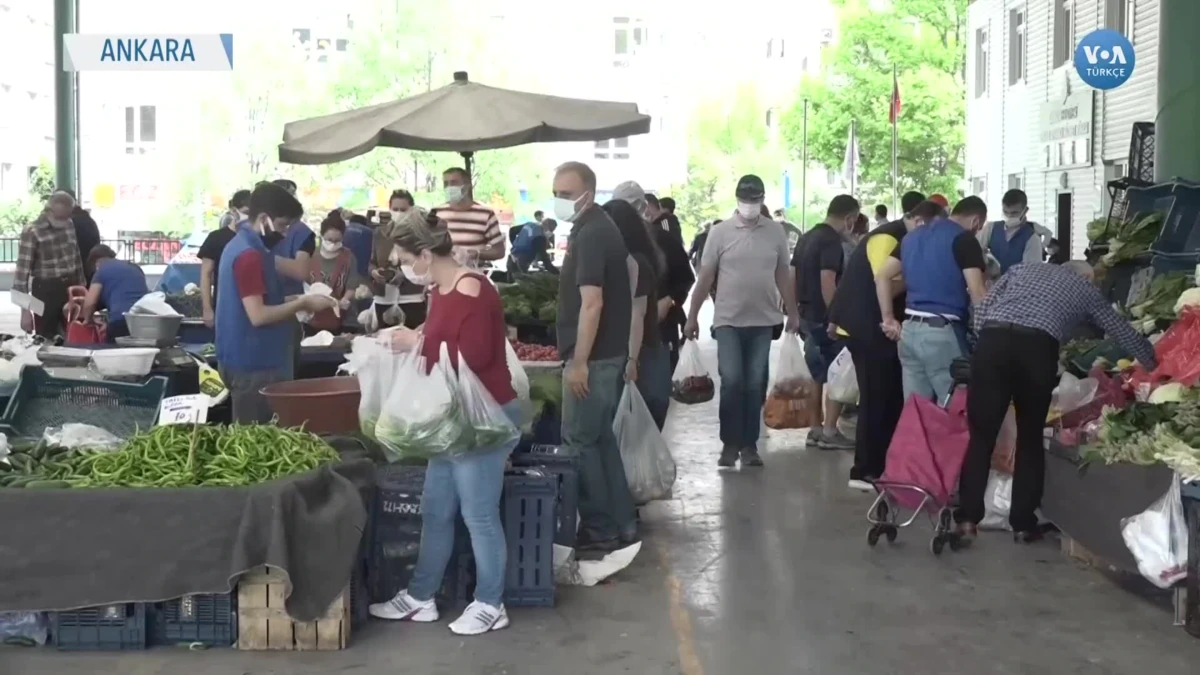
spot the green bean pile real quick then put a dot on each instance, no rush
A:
(187, 456)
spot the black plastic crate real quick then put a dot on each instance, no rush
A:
(1141, 151)
(1118, 204)
(563, 464)
(528, 509)
(119, 627)
(395, 540)
(41, 401)
(1181, 215)
(209, 620)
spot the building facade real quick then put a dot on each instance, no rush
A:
(26, 92)
(1033, 124)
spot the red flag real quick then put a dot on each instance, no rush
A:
(894, 111)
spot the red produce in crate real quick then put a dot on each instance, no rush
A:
(528, 352)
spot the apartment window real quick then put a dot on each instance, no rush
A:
(6, 179)
(141, 129)
(1064, 32)
(775, 48)
(979, 187)
(341, 45)
(600, 151)
(1016, 181)
(770, 118)
(981, 62)
(301, 35)
(1016, 46)
(629, 36)
(1118, 16)
(617, 148)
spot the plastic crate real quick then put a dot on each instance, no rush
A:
(528, 509)
(395, 540)
(42, 401)
(563, 464)
(118, 627)
(1118, 203)
(209, 620)
(1179, 204)
(1141, 151)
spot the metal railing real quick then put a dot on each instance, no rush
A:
(142, 251)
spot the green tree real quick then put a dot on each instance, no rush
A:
(925, 41)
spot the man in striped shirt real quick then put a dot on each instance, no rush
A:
(474, 227)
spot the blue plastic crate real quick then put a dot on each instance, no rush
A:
(118, 627)
(1179, 203)
(528, 509)
(563, 463)
(209, 620)
(395, 540)
(42, 401)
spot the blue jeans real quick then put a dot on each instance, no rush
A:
(820, 350)
(926, 353)
(606, 507)
(743, 362)
(472, 482)
(654, 381)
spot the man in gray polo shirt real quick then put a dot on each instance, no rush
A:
(595, 306)
(750, 254)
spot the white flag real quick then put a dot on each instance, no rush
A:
(850, 162)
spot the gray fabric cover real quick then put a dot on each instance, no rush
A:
(63, 549)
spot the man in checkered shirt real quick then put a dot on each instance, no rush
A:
(1021, 323)
(48, 264)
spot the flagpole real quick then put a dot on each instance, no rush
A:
(804, 172)
(895, 145)
(853, 158)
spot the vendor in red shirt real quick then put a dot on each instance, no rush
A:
(465, 313)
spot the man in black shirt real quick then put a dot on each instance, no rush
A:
(210, 252)
(663, 219)
(818, 261)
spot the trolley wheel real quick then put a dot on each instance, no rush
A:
(882, 511)
(937, 544)
(873, 536)
(945, 523)
(890, 533)
(955, 542)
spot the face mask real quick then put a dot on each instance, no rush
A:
(331, 246)
(1013, 222)
(418, 279)
(454, 193)
(564, 209)
(394, 257)
(396, 216)
(748, 211)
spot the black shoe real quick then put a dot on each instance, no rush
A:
(729, 457)
(587, 541)
(750, 457)
(1028, 536)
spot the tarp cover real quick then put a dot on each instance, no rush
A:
(63, 549)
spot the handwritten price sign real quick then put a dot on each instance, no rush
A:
(189, 409)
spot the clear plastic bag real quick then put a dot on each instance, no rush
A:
(843, 381)
(75, 435)
(997, 502)
(649, 467)
(487, 425)
(520, 384)
(422, 415)
(790, 403)
(154, 303)
(374, 365)
(691, 383)
(1158, 539)
(24, 627)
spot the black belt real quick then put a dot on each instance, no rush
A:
(1017, 328)
(933, 321)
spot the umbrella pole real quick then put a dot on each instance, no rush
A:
(467, 156)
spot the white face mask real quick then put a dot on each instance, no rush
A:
(1013, 222)
(564, 209)
(418, 279)
(331, 247)
(748, 211)
(454, 193)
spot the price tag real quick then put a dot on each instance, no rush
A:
(188, 409)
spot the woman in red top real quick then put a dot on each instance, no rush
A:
(464, 313)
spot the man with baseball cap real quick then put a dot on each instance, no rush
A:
(746, 315)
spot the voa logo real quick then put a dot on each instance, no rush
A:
(1104, 59)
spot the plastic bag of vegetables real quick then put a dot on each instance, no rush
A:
(422, 417)
(1158, 539)
(488, 426)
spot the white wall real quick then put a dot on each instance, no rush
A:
(26, 91)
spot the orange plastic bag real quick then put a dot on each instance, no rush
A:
(788, 412)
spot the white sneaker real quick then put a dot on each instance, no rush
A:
(860, 485)
(479, 618)
(405, 607)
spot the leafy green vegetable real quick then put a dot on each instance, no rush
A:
(1159, 303)
(1097, 229)
(1132, 237)
(531, 297)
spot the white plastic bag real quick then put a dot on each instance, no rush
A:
(24, 626)
(76, 435)
(369, 320)
(997, 502)
(373, 364)
(422, 416)
(843, 381)
(691, 383)
(791, 373)
(1158, 539)
(520, 384)
(154, 303)
(1073, 393)
(488, 427)
(791, 401)
(649, 467)
(323, 290)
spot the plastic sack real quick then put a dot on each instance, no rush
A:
(520, 385)
(29, 628)
(324, 290)
(487, 425)
(373, 364)
(369, 320)
(1158, 539)
(997, 502)
(843, 381)
(1109, 393)
(1004, 453)
(1177, 353)
(422, 415)
(790, 405)
(649, 467)
(1073, 393)
(691, 383)
(393, 316)
(154, 303)
(75, 435)
(10, 371)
